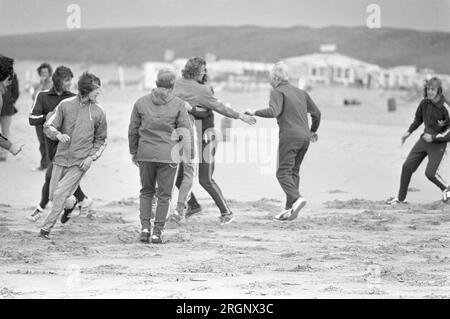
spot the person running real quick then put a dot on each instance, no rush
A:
(159, 120)
(290, 106)
(433, 112)
(190, 89)
(45, 83)
(79, 124)
(44, 105)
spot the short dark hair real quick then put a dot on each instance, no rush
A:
(87, 83)
(192, 68)
(45, 66)
(61, 74)
(6, 67)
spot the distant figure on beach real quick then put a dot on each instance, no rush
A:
(191, 88)
(79, 124)
(290, 106)
(158, 122)
(45, 83)
(43, 107)
(433, 112)
(6, 78)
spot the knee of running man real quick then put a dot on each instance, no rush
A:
(430, 174)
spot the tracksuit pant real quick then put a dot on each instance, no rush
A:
(45, 192)
(422, 149)
(153, 173)
(63, 184)
(42, 146)
(184, 182)
(290, 156)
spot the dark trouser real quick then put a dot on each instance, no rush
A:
(290, 155)
(153, 173)
(45, 193)
(42, 146)
(421, 149)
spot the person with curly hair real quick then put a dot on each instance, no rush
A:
(191, 88)
(45, 103)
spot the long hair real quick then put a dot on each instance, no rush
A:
(87, 83)
(192, 68)
(61, 74)
(6, 67)
(433, 81)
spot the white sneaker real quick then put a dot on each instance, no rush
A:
(36, 215)
(446, 195)
(298, 205)
(85, 205)
(394, 201)
(284, 215)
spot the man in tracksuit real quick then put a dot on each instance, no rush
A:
(434, 114)
(45, 72)
(290, 106)
(44, 104)
(79, 124)
(190, 89)
(158, 122)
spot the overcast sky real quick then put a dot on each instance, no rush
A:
(29, 16)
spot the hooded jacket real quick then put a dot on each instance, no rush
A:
(159, 121)
(85, 123)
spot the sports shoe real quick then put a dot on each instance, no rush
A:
(178, 217)
(226, 219)
(284, 215)
(193, 210)
(68, 211)
(85, 205)
(394, 201)
(446, 194)
(298, 205)
(156, 239)
(36, 214)
(145, 235)
(44, 234)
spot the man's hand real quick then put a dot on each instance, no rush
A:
(427, 138)
(247, 119)
(314, 137)
(15, 148)
(86, 163)
(249, 112)
(63, 138)
(7, 82)
(134, 160)
(405, 136)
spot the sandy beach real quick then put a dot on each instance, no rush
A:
(346, 243)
